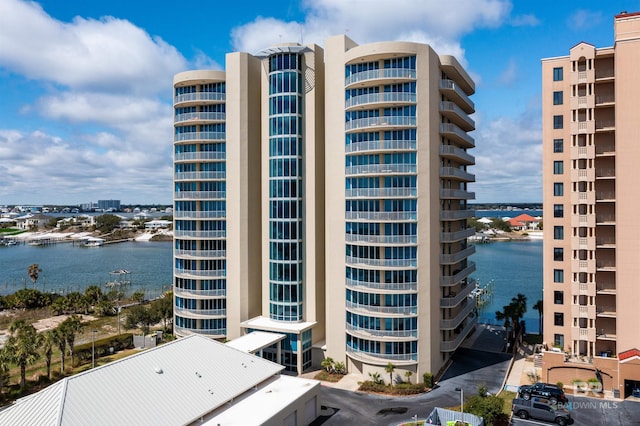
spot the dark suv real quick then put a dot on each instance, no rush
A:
(545, 390)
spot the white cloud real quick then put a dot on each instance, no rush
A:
(428, 21)
(584, 19)
(509, 158)
(510, 73)
(525, 21)
(107, 54)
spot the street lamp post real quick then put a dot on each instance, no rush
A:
(93, 349)
(461, 403)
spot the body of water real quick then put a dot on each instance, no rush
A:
(68, 267)
(513, 266)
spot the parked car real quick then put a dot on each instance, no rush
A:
(545, 390)
(541, 409)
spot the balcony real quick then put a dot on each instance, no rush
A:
(199, 176)
(606, 196)
(389, 335)
(455, 299)
(581, 220)
(200, 313)
(381, 359)
(199, 294)
(452, 345)
(583, 152)
(407, 74)
(457, 154)
(381, 193)
(454, 92)
(450, 237)
(187, 273)
(606, 288)
(200, 195)
(583, 243)
(188, 214)
(203, 136)
(214, 333)
(200, 117)
(381, 310)
(606, 334)
(450, 324)
(380, 287)
(449, 215)
(583, 311)
(200, 156)
(582, 127)
(208, 254)
(199, 234)
(585, 197)
(456, 134)
(451, 280)
(588, 334)
(606, 311)
(456, 174)
(447, 259)
(384, 263)
(605, 266)
(454, 113)
(380, 122)
(381, 169)
(605, 173)
(580, 175)
(381, 216)
(582, 289)
(193, 98)
(583, 265)
(377, 99)
(605, 125)
(381, 145)
(456, 194)
(605, 100)
(382, 239)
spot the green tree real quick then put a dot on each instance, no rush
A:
(328, 364)
(488, 407)
(408, 375)
(390, 368)
(93, 294)
(340, 368)
(107, 223)
(138, 296)
(4, 367)
(34, 271)
(139, 317)
(23, 346)
(538, 307)
(375, 378)
(162, 308)
(48, 343)
(70, 328)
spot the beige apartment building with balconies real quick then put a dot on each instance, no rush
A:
(321, 195)
(590, 106)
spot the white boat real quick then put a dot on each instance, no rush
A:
(92, 242)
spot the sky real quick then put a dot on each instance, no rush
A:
(86, 86)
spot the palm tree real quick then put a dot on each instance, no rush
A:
(22, 346)
(48, 343)
(327, 364)
(33, 271)
(60, 340)
(4, 367)
(408, 375)
(538, 307)
(390, 368)
(71, 326)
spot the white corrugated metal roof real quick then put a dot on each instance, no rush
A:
(255, 341)
(175, 383)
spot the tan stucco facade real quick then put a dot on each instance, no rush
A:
(398, 127)
(590, 156)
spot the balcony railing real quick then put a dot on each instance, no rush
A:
(452, 345)
(388, 263)
(457, 257)
(381, 286)
(207, 136)
(455, 113)
(454, 300)
(201, 253)
(381, 334)
(454, 91)
(456, 173)
(381, 216)
(187, 214)
(451, 280)
(200, 156)
(396, 73)
(382, 169)
(201, 312)
(183, 331)
(457, 194)
(199, 293)
(199, 116)
(449, 237)
(201, 273)
(381, 192)
(200, 96)
(458, 153)
(456, 134)
(456, 214)
(200, 234)
(389, 121)
(400, 310)
(381, 145)
(381, 239)
(199, 175)
(382, 359)
(378, 98)
(200, 195)
(450, 324)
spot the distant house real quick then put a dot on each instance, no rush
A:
(157, 224)
(29, 221)
(524, 222)
(190, 381)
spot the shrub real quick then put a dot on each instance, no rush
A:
(560, 385)
(428, 380)
(103, 346)
(487, 407)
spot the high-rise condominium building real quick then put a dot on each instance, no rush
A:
(591, 102)
(321, 195)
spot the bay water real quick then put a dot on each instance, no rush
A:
(512, 266)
